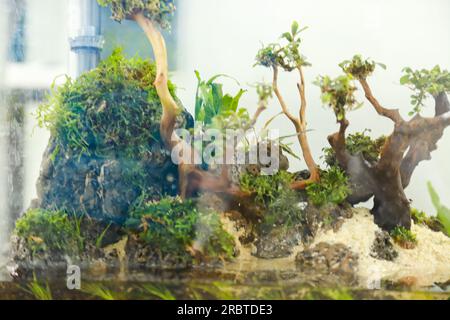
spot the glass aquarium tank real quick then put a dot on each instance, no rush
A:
(224, 149)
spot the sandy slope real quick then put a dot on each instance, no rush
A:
(428, 263)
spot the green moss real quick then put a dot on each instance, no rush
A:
(283, 212)
(174, 227)
(52, 231)
(332, 188)
(338, 94)
(266, 187)
(360, 68)
(404, 237)
(113, 110)
(157, 10)
(358, 143)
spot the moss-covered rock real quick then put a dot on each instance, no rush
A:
(105, 149)
(170, 233)
(175, 230)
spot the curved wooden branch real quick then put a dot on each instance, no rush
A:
(392, 114)
(262, 106)
(301, 90)
(300, 129)
(170, 107)
(191, 178)
(425, 140)
(280, 98)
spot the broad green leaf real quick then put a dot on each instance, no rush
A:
(236, 99)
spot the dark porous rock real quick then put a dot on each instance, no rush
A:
(279, 243)
(382, 247)
(102, 187)
(335, 260)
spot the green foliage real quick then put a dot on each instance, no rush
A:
(418, 216)
(360, 68)
(286, 54)
(338, 93)
(215, 109)
(425, 82)
(100, 291)
(158, 291)
(159, 11)
(332, 188)
(172, 226)
(266, 187)
(404, 237)
(46, 230)
(358, 143)
(329, 294)
(38, 290)
(443, 213)
(113, 110)
(283, 212)
(264, 91)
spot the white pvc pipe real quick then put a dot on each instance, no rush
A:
(86, 40)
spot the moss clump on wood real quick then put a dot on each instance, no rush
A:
(358, 143)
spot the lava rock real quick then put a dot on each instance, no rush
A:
(329, 259)
(273, 246)
(382, 247)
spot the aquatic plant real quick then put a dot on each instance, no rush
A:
(333, 188)
(159, 292)
(267, 188)
(100, 291)
(410, 143)
(159, 11)
(403, 237)
(50, 230)
(217, 110)
(176, 228)
(358, 143)
(287, 56)
(443, 213)
(39, 291)
(219, 290)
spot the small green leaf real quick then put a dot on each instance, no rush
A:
(294, 28)
(404, 80)
(287, 36)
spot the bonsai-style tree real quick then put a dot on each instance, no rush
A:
(287, 56)
(411, 141)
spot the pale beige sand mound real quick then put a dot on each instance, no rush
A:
(428, 263)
